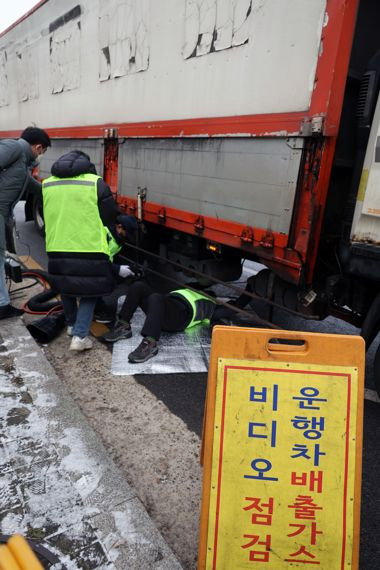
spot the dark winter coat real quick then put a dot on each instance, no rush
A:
(83, 274)
(16, 160)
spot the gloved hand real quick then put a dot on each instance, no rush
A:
(125, 271)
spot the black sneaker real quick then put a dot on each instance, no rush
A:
(120, 331)
(104, 318)
(8, 311)
(145, 350)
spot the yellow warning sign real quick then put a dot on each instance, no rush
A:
(282, 455)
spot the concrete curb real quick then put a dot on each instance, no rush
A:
(59, 485)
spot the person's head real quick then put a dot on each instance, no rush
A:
(126, 227)
(38, 139)
(73, 163)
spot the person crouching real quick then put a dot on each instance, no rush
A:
(77, 206)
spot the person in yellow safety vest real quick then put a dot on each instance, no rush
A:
(78, 207)
(121, 233)
(173, 312)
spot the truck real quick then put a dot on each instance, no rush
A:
(234, 129)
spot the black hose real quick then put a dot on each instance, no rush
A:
(39, 303)
(38, 273)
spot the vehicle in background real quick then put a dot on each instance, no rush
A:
(235, 129)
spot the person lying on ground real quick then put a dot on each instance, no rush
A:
(158, 274)
(174, 312)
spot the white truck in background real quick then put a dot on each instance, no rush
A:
(235, 129)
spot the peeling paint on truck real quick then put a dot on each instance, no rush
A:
(123, 38)
(215, 25)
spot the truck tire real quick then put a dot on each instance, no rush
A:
(38, 215)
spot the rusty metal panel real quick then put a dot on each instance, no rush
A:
(249, 181)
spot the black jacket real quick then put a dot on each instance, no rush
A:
(83, 274)
(16, 159)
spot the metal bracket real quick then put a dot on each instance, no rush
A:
(312, 127)
(199, 225)
(110, 133)
(317, 124)
(247, 235)
(295, 143)
(162, 216)
(267, 241)
(141, 197)
(307, 297)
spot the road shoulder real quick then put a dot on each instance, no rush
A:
(60, 486)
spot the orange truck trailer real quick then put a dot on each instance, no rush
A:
(235, 129)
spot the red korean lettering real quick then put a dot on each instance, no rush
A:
(301, 528)
(304, 507)
(315, 482)
(258, 555)
(264, 512)
(310, 558)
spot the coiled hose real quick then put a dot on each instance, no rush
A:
(53, 321)
(41, 304)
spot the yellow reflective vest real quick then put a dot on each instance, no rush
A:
(113, 246)
(201, 306)
(71, 214)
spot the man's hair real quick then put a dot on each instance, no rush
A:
(34, 135)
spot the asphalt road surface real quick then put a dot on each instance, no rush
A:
(184, 397)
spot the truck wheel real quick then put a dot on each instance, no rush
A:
(38, 216)
(376, 370)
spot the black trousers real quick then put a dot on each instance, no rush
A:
(163, 312)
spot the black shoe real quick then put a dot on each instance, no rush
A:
(120, 331)
(104, 318)
(145, 350)
(8, 311)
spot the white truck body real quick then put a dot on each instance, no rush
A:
(118, 61)
(69, 65)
